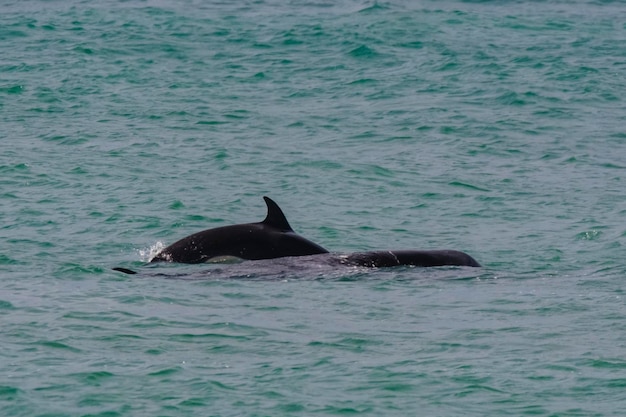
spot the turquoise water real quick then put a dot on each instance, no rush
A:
(496, 128)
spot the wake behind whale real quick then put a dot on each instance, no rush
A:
(274, 238)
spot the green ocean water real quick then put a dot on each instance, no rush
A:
(493, 127)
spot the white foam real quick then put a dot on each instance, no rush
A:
(147, 254)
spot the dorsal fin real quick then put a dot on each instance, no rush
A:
(275, 216)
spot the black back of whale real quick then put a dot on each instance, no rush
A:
(426, 258)
(271, 238)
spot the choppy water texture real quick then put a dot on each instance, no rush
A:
(496, 128)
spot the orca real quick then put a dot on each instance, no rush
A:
(425, 258)
(274, 238)
(271, 238)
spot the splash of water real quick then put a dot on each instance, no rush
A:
(145, 255)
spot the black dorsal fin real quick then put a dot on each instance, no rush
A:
(275, 216)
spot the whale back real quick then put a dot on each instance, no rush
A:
(271, 238)
(424, 258)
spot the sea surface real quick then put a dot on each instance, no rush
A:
(493, 127)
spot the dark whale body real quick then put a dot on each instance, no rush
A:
(274, 238)
(271, 238)
(426, 258)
